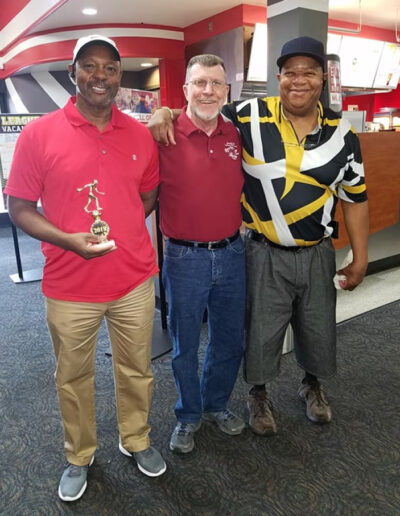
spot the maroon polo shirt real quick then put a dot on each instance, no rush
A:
(201, 182)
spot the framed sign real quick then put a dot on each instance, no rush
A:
(359, 60)
(388, 72)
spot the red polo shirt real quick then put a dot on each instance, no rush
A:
(61, 152)
(201, 182)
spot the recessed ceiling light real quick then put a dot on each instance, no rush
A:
(146, 65)
(89, 11)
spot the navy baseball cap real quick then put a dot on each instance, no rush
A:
(303, 46)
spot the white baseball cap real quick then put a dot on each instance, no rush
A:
(93, 40)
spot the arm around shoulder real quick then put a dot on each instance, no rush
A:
(161, 125)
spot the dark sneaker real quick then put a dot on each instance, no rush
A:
(182, 440)
(317, 406)
(226, 421)
(149, 461)
(261, 419)
(73, 482)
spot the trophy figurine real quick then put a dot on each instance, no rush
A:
(99, 228)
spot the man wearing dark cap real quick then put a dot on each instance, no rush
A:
(93, 167)
(299, 158)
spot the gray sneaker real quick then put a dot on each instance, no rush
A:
(182, 437)
(73, 482)
(149, 461)
(227, 421)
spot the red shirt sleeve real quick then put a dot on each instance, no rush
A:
(26, 174)
(151, 176)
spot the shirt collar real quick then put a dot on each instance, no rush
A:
(188, 127)
(319, 121)
(76, 118)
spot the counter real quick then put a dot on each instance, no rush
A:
(381, 156)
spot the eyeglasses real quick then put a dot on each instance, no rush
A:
(305, 145)
(202, 84)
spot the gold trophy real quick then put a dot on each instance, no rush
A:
(99, 228)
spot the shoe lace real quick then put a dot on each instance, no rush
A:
(147, 453)
(74, 470)
(263, 404)
(183, 429)
(318, 393)
(227, 415)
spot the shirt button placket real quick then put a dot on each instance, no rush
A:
(210, 150)
(101, 143)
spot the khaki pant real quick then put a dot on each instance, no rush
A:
(74, 327)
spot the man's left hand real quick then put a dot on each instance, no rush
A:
(354, 274)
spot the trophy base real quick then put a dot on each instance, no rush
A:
(103, 246)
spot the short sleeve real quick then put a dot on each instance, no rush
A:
(26, 175)
(151, 176)
(352, 188)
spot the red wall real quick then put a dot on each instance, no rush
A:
(384, 100)
(9, 10)
(366, 31)
(364, 103)
(375, 102)
(222, 22)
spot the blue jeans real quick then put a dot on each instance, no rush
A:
(196, 279)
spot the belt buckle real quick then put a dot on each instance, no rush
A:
(211, 244)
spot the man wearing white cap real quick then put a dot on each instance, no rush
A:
(88, 162)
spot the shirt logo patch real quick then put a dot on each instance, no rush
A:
(134, 157)
(232, 150)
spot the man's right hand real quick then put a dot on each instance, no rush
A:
(84, 244)
(161, 127)
(24, 215)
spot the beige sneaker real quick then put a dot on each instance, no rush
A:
(261, 419)
(317, 406)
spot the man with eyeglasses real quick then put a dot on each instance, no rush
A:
(201, 182)
(299, 158)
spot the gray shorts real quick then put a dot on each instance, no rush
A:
(290, 287)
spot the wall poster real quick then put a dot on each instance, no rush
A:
(140, 104)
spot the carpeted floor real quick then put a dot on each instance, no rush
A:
(350, 467)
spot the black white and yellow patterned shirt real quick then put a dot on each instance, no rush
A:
(291, 189)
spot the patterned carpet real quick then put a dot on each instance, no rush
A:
(350, 467)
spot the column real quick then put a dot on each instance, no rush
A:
(289, 19)
(172, 77)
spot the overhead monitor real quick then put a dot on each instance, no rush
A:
(359, 58)
(333, 43)
(388, 72)
(258, 54)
